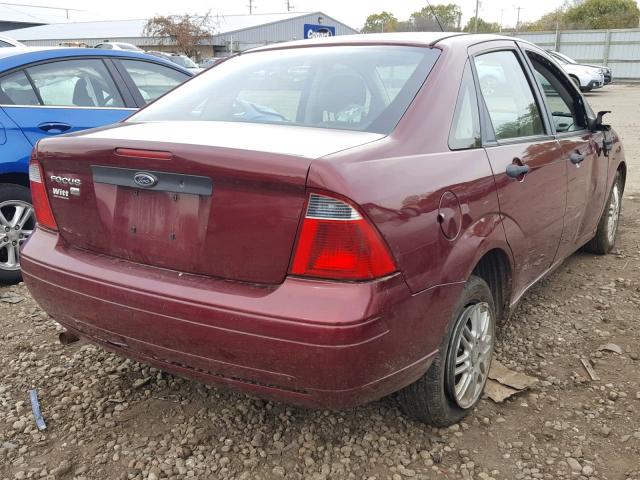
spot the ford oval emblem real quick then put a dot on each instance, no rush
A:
(145, 180)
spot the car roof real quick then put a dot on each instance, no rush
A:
(422, 39)
(14, 57)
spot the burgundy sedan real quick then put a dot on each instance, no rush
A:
(327, 222)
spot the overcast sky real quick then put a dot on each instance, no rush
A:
(351, 12)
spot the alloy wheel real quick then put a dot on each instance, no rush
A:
(613, 213)
(472, 349)
(17, 222)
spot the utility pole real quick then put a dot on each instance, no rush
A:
(64, 9)
(555, 42)
(251, 7)
(289, 6)
(501, 17)
(475, 26)
(518, 20)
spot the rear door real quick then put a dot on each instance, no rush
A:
(526, 159)
(586, 163)
(63, 96)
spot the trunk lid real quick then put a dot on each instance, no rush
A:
(222, 199)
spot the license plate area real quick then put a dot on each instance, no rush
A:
(155, 225)
(153, 215)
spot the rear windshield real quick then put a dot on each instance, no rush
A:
(364, 88)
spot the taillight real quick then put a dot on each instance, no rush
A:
(41, 206)
(336, 242)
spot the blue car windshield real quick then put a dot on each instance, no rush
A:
(364, 88)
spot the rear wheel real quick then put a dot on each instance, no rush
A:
(452, 386)
(17, 222)
(605, 237)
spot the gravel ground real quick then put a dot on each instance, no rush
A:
(111, 418)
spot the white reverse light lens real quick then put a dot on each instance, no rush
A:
(328, 208)
(34, 173)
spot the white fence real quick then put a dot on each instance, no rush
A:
(618, 49)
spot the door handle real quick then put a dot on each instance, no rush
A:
(517, 171)
(54, 127)
(576, 158)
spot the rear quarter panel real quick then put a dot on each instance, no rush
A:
(402, 196)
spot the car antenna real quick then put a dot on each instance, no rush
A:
(435, 16)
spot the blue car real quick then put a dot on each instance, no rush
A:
(51, 91)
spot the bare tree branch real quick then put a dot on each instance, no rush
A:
(186, 31)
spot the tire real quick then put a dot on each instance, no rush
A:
(576, 82)
(13, 197)
(605, 237)
(432, 398)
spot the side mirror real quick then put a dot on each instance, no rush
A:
(595, 124)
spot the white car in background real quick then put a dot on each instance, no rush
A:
(9, 42)
(178, 59)
(118, 46)
(586, 77)
(561, 57)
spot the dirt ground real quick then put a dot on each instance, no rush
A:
(113, 418)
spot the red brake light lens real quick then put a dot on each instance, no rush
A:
(336, 242)
(41, 206)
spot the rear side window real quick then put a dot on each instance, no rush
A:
(15, 89)
(362, 88)
(465, 128)
(75, 83)
(508, 96)
(151, 79)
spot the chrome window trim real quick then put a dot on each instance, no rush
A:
(573, 133)
(537, 138)
(68, 106)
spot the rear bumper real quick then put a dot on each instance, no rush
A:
(310, 342)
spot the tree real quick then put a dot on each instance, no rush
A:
(483, 26)
(603, 14)
(186, 31)
(546, 22)
(380, 22)
(427, 18)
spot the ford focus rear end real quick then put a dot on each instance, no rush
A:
(189, 236)
(328, 222)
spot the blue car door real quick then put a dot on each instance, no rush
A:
(63, 96)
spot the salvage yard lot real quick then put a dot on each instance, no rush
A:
(108, 417)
